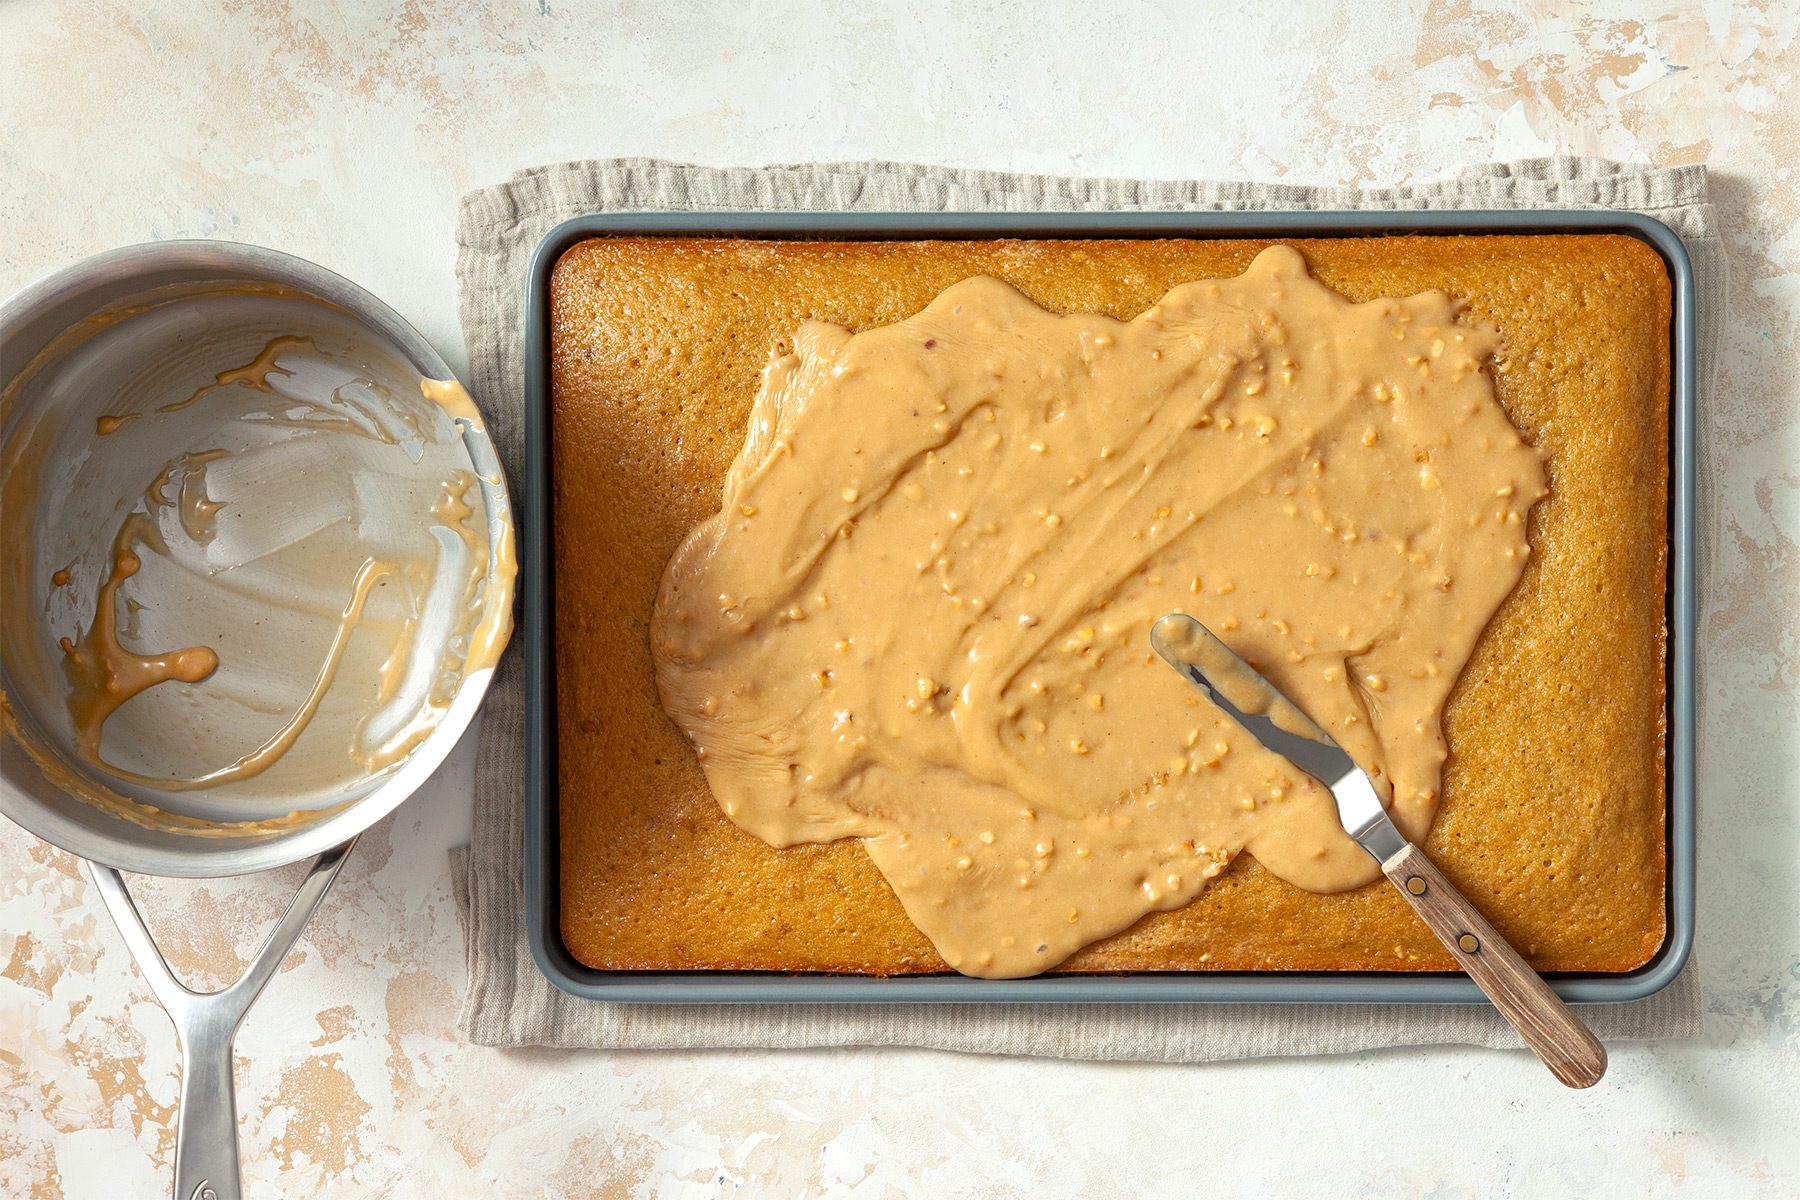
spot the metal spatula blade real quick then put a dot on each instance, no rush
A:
(1279, 725)
(1548, 1026)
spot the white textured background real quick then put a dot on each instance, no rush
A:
(345, 131)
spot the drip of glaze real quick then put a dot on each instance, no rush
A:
(254, 374)
(454, 399)
(103, 674)
(193, 506)
(490, 636)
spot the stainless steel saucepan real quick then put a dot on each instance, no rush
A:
(226, 449)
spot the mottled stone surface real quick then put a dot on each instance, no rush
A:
(345, 132)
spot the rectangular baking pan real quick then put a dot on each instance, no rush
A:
(542, 902)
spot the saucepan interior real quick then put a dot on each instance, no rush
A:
(228, 471)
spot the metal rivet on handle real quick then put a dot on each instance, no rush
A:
(1469, 943)
(1416, 885)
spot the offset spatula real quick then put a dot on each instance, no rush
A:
(1548, 1026)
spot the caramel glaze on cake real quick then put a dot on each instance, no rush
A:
(1553, 804)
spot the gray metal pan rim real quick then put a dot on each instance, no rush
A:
(542, 905)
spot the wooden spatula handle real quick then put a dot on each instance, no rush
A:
(1549, 1027)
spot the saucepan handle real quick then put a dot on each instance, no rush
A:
(206, 1156)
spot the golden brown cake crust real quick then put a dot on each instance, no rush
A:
(1553, 810)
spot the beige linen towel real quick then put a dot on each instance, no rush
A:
(509, 1003)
